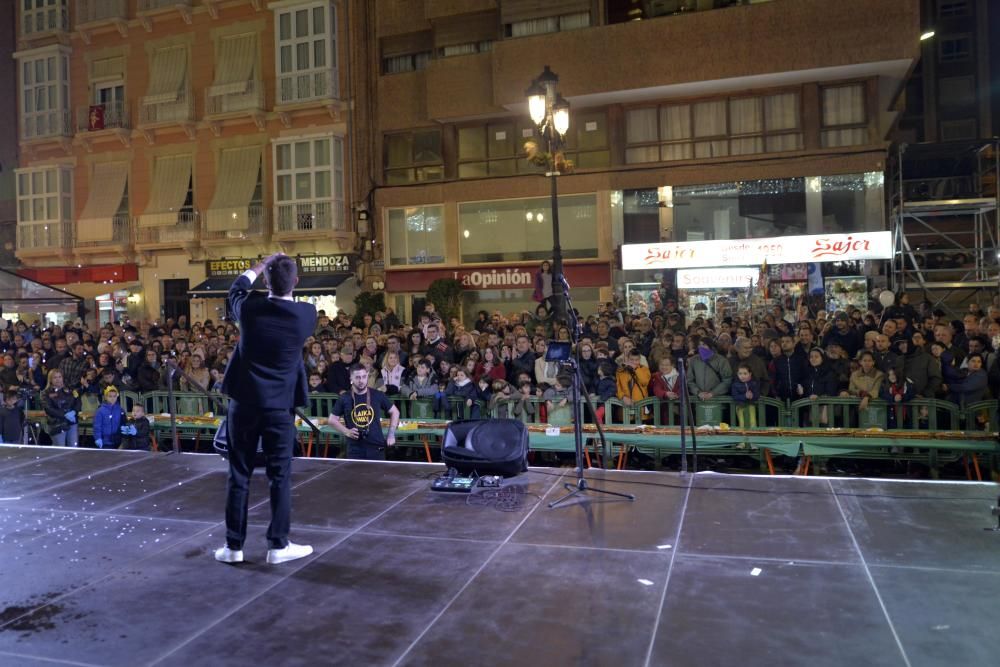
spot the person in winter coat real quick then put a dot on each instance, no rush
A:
(709, 374)
(61, 408)
(866, 382)
(11, 418)
(665, 385)
(108, 421)
(920, 367)
(789, 370)
(896, 390)
(135, 432)
(971, 388)
(745, 392)
(462, 387)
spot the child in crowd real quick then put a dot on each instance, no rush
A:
(216, 375)
(108, 421)
(315, 383)
(745, 391)
(135, 432)
(11, 419)
(896, 391)
(500, 400)
(665, 385)
(524, 407)
(557, 400)
(462, 386)
(607, 387)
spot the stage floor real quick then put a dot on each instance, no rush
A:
(107, 560)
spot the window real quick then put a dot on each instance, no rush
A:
(39, 16)
(44, 194)
(845, 120)
(954, 49)
(541, 26)
(519, 230)
(587, 140)
(45, 94)
(958, 130)
(306, 53)
(494, 149)
(168, 96)
(948, 8)
(957, 91)
(309, 184)
(416, 235)
(714, 128)
(465, 49)
(407, 62)
(413, 157)
(236, 86)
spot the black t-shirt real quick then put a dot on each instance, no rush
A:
(364, 411)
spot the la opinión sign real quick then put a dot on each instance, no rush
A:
(750, 252)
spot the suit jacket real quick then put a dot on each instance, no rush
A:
(266, 369)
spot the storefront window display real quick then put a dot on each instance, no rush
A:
(518, 230)
(846, 291)
(416, 235)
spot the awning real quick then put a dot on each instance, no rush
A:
(218, 286)
(107, 186)
(234, 65)
(167, 75)
(20, 294)
(171, 178)
(235, 183)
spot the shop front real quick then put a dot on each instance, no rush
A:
(508, 289)
(319, 278)
(721, 277)
(109, 293)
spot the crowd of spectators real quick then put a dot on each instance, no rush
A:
(897, 354)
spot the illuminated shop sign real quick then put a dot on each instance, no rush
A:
(753, 252)
(717, 278)
(308, 264)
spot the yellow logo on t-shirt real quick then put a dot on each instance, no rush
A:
(362, 415)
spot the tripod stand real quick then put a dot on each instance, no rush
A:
(581, 486)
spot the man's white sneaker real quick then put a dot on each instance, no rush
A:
(290, 552)
(227, 555)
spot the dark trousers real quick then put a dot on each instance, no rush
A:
(356, 450)
(276, 431)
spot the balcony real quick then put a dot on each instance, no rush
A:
(92, 13)
(46, 125)
(258, 224)
(121, 237)
(183, 234)
(701, 53)
(50, 20)
(147, 9)
(96, 119)
(179, 111)
(307, 86)
(309, 218)
(219, 105)
(44, 238)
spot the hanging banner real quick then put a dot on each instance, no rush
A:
(744, 252)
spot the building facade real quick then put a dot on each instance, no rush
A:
(161, 140)
(693, 120)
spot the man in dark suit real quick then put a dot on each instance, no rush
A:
(265, 381)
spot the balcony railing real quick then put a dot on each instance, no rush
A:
(121, 233)
(94, 11)
(309, 216)
(258, 221)
(252, 99)
(44, 235)
(177, 111)
(153, 5)
(185, 231)
(306, 86)
(97, 117)
(46, 124)
(54, 18)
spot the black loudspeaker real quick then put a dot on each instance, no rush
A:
(486, 447)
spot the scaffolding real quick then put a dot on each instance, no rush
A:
(944, 202)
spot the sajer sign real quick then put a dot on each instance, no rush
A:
(751, 252)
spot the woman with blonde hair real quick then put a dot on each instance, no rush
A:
(61, 408)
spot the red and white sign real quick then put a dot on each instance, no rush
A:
(753, 252)
(517, 277)
(717, 278)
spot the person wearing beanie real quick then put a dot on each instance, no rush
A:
(108, 420)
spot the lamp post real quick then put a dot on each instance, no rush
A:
(550, 114)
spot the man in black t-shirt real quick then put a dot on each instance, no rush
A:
(357, 415)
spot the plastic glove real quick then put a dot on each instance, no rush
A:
(70, 416)
(98, 442)
(132, 431)
(123, 430)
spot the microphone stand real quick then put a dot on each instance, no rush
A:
(171, 400)
(581, 485)
(687, 415)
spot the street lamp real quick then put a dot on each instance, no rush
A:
(550, 114)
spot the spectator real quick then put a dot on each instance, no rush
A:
(744, 354)
(972, 387)
(745, 392)
(789, 370)
(632, 379)
(709, 375)
(558, 399)
(61, 408)
(896, 390)
(74, 366)
(919, 367)
(866, 382)
(11, 418)
(522, 359)
(885, 358)
(843, 335)
(108, 421)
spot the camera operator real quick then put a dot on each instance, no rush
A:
(357, 415)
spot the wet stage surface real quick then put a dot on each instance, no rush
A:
(106, 559)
